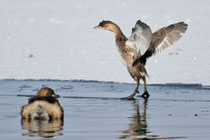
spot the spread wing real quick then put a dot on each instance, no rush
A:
(166, 36)
(140, 38)
(162, 39)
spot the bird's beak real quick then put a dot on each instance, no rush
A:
(97, 27)
(56, 95)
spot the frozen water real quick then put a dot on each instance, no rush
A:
(93, 110)
(54, 39)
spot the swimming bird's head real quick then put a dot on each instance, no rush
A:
(45, 91)
(107, 25)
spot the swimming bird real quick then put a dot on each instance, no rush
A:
(46, 91)
(43, 106)
(141, 45)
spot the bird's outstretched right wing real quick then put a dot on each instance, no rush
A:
(140, 38)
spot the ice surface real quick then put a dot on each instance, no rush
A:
(53, 39)
(93, 110)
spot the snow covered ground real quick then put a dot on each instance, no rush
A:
(53, 39)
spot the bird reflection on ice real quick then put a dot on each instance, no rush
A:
(42, 128)
(138, 128)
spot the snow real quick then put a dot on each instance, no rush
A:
(52, 39)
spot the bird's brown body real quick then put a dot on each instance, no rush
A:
(138, 71)
(43, 106)
(141, 45)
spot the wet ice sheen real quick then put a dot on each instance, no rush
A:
(93, 110)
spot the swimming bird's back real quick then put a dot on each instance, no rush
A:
(42, 108)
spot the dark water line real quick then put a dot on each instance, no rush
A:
(99, 98)
(110, 98)
(174, 85)
(73, 97)
(80, 97)
(19, 95)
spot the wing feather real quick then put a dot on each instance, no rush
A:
(140, 38)
(162, 39)
(165, 37)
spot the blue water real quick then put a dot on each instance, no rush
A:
(93, 110)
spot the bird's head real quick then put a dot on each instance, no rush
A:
(45, 91)
(106, 25)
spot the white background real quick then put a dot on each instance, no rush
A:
(60, 36)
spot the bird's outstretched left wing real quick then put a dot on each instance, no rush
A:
(162, 39)
(140, 38)
(166, 36)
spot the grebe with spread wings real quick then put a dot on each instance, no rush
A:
(141, 45)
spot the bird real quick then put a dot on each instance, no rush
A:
(46, 91)
(43, 106)
(141, 45)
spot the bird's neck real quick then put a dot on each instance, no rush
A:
(116, 29)
(119, 35)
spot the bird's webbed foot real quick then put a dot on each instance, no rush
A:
(128, 98)
(145, 95)
(136, 91)
(131, 97)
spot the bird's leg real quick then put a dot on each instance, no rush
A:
(137, 86)
(145, 94)
(134, 93)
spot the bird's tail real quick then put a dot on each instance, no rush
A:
(40, 113)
